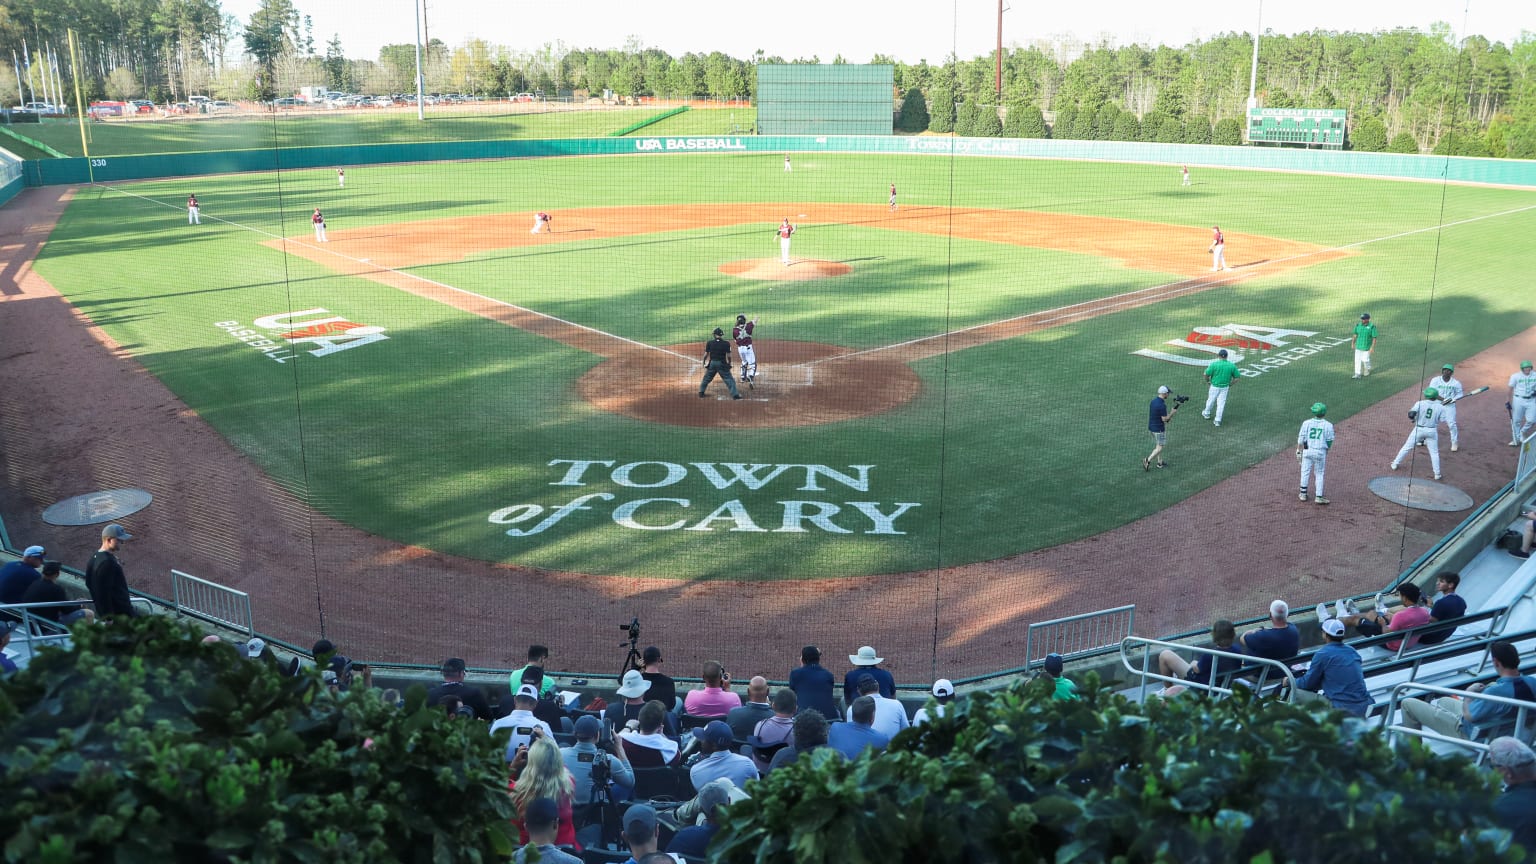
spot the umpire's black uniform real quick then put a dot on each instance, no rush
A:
(717, 361)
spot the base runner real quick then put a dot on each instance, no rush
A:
(1312, 444)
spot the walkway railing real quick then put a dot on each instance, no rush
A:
(1078, 635)
(210, 601)
(1146, 650)
(1502, 726)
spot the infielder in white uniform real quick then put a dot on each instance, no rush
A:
(1522, 402)
(1450, 390)
(1312, 444)
(1425, 415)
(1218, 249)
(785, 231)
(540, 219)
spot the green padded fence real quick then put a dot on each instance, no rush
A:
(635, 127)
(1513, 172)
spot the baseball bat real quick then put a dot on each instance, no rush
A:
(1466, 394)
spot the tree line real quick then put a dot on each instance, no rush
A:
(1406, 90)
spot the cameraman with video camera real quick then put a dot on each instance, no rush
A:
(596, 762)
(1159, 416)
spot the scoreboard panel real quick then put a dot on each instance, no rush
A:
(1305, 127)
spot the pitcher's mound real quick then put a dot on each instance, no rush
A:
(772, 268)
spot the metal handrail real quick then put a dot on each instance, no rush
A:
(1104, 615)
(227, 606)
(1288, 692)
(1394, 705)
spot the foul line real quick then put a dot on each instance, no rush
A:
(1167, 289)
(423, 279)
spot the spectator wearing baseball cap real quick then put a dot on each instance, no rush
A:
(585, 753)
(48, 590)
(453, 685)
(663, 688)
(541, 819)
(104, 575)
(1365, 342)
(1279, 641)
(641, 831)
(715, 742)
(538, 655)
(944, 692)
(17, 576)
(1055, 668)
(867, 662)
(694, 840)
(1336, 673)
(523, 725)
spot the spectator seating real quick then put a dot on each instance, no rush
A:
(665, 783)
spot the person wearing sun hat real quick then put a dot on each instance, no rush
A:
(633, 692)
(867, 662)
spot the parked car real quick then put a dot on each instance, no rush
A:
(41, 108)
(142, 106)
(217, 105)
(179, 108)
(288, 102)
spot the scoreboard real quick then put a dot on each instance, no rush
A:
(1306, 127)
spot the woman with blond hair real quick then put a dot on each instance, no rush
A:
(539, 772)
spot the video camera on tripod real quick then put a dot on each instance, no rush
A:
(632, 660)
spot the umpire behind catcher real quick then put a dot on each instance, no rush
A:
(717, 361)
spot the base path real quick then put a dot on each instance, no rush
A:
(643, 382)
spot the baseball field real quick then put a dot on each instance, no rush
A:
(951, 382)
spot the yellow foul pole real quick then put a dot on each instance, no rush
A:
(74, 70)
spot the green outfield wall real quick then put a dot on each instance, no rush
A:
(1513, 172)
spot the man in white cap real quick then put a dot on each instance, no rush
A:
(1336, 672)
(867, 662)
(104, 575)
(17, 576)
(1159, 415)
(944, 692)
(521, 721)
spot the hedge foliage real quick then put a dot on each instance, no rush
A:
(1016, 776)
(142, 744)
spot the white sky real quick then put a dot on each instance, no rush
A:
(907, 30)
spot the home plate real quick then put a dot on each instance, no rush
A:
(1421, 494)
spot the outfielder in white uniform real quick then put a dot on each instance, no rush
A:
(787, 169)
(742, 334)
(1450, 390)
(194, 212)
(1522, 402)
(341, 177)
(1312, 444)
(785, 231)
(1425, 415)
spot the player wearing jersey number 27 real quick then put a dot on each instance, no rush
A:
(1312, 445)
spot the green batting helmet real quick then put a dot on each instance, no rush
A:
(1431, 393)
(1319, 409)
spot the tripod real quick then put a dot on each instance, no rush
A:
(632, 660)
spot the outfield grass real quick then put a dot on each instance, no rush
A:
(321, 128)
(1015, 445)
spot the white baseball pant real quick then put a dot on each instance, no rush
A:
(1216, 397)
(1314, 460)
(1362, 362)
(1431, 438)
(1522, 415)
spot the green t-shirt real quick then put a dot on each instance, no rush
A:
(1365, 335)
(1221, 372)
(1065, 690)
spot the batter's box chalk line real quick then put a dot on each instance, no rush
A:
(767, 376)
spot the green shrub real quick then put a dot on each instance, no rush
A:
(987, 124)
(941, 110)
(914, 111)
(1229, 132)
(1197, 130)
(1024, 121)
(1127, 127)
(1369, 136)
(1015, 775)
(1403, 142)
(966, 119)
(1066, 118)
(143, 744)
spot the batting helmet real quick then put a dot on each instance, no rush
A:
(1319, 409)
(741, 319)
(1431, 393)
(719, 332)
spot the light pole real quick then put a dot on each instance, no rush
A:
(421, 113)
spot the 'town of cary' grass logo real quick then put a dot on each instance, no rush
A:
(1262, 349)
(281, 336)
(798, 513)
